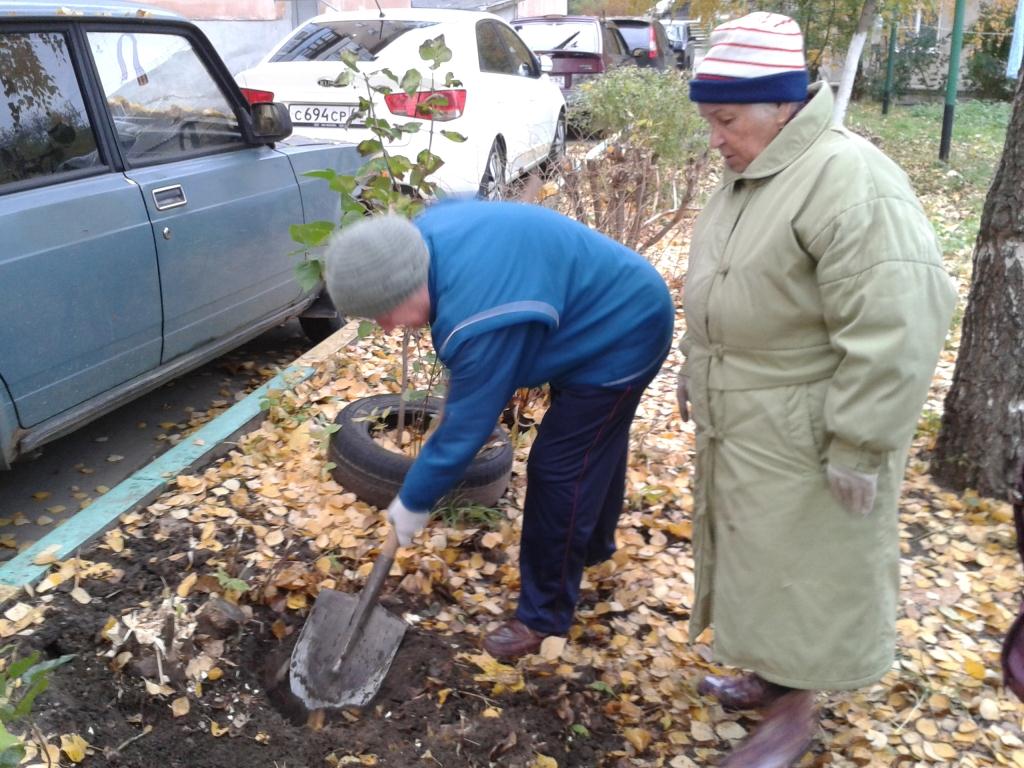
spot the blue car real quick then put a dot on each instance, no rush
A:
(144, 212)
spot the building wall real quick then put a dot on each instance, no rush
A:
(541, 7)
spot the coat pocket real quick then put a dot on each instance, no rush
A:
(805, 415)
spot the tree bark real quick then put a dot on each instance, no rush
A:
(867, 18)
(981, 441)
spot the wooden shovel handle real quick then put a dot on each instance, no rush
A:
(368, 597)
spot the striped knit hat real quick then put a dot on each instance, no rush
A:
(756, 59)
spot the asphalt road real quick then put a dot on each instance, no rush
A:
(51, 485)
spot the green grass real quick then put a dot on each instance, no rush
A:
(952, 193)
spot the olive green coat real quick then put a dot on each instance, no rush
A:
(816, 307)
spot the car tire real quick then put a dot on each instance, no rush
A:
(557, 151)
(375, 474)
(317, 329)
(493, 182)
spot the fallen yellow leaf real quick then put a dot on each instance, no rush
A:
(186, 584)
(640, 738)
(180, 706)
(74, 747)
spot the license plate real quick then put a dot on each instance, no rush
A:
(323, 115)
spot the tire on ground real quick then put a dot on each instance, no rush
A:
(375, 474)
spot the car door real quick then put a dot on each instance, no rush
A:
(537, 109)
(220, 209)
(504, 93)
(79, 287)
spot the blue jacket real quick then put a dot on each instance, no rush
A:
(521, 296)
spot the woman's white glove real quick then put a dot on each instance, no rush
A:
(854, 490)
(683, 396)
(406, 522)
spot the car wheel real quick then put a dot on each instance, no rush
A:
(319, 328)
(375, 474)
(558, 143)
(492, 185)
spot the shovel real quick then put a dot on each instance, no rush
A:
(346, 646)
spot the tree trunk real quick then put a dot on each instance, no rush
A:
(981, 442)
(867, 18)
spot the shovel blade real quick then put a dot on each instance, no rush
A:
(317, 678)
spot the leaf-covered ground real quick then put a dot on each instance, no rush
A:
(266, 527)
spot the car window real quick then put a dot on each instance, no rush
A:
(567, 36)
(164, 101)
(325, 40)
(522, 60)
(44, 128)
(635, 35)
(492, 50)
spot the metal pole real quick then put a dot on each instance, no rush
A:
(890, 66)
(952, 80)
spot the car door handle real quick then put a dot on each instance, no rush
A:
(169, 197)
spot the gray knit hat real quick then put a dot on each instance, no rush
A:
(374, 265)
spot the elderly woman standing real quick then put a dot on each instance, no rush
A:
(816, 308)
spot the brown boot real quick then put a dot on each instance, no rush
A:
(512, 639)
(750, 691)
(782, 737)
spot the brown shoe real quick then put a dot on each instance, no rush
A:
(512, 639)
(783, 736)
(750, 691)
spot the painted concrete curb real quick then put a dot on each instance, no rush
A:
(202, 447)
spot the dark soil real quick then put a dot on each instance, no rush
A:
(406, 724)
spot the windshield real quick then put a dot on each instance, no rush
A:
(324, 41)
(568, 36)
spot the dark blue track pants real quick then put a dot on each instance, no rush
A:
(576, 477)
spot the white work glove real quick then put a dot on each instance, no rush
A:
(683, 396)
(406, 522)
(854, 490)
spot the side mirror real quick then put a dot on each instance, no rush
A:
(638, 53)
(270, 121)
(546, 63)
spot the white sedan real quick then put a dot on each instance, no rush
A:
(511, 113)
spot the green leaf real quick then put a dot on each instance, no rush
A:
(602, 687)
(428, 161)
(344, 79)
(311, 234)
(435, 51)
(400, 166)
(229, 582)
(350, 59)
(44, 667)
(309, 273)
(350, 204)
(373, 167)
(343, 184)
(365, 328)
(450, 81)
(12, 751)
(411, 81)
(370, 147)
(389, 74)
(458, 138)
(580, 730)
(351, 217)
(327, 173)
(408, 127)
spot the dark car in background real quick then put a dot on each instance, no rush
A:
(580, 47)
(688, 39)
(647, 41)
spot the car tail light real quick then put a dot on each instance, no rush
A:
(254, 96)
(428, 105)
(652, 45)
